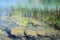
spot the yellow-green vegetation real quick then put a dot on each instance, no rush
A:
(52, 18)
(37, 22)
(46, 16)
(16, 15)
(17, 31)
(23, 22)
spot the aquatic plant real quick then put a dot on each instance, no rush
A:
(23, 22)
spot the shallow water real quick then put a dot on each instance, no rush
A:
(37, 29)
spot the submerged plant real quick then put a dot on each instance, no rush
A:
(23, 22)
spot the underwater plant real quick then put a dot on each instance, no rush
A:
(23, 22)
